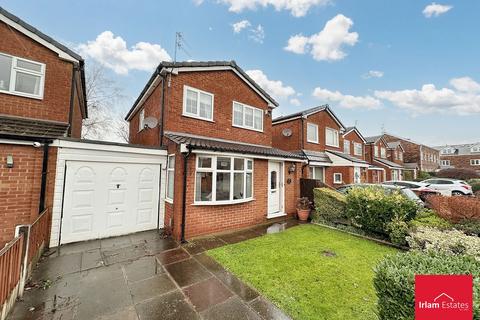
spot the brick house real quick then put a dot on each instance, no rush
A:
(335, 153)
(464, 156)
(42, 97)
(416, 155)
(222, 171)
(383, 167)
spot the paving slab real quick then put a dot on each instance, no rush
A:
(172, 256)
(207, 293)
(151, 287)
(187, 272)
(171, 306)
(159, 245)
(232, 309)
(116, 255)
(268, 310)
(92, 259)
(57, 266)
(143, 268)
(209, 242)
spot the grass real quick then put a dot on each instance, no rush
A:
(293, 270)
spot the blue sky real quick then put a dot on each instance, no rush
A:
(373, 61)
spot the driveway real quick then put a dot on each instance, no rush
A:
(143, 276)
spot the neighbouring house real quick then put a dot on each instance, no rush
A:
(377, 154)
(42, 97)
(335, 153)
(216, 124)
(416, 155)
(463, 156)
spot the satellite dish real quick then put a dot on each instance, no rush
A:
(150, 122)
(287, 132)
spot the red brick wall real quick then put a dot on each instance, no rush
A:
(292, 143)
(55, 104)
(375, 176)
(20, 186)
(353, 137)
(462, 161)
(323, 120)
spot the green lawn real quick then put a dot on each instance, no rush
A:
(292, 270)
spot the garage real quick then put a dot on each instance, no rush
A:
(104, 190)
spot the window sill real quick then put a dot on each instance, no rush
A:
(25, 95)
(195, 117)
(246, 128)
(310, 141)
(338, 182)
(221, 203)
(332, 145)
(169, 200)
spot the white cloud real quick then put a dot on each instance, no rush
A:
(197, 2)
(347, 101)
(434, 10)
(276, 88)
(373, 74)
(257, 34)
(295, 102)
(112, 52)
(240, 25)
(463, 99)
(298, 8)
(327, 44)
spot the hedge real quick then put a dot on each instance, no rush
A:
(455, 209)
(330, 205)
(394, 280)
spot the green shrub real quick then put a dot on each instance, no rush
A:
(372, 208)
(394, 280)
(447, 241)
(330, 205)
(475, 186)
(397, 231)
(470, 227)
(429, 218)
(423, 175)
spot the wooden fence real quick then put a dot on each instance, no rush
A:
(307, 186)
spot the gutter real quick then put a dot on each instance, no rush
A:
(186, 155)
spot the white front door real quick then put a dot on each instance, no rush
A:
(275, 188)
(357, 173)
(104, 199)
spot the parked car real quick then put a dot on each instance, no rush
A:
(406, 192)
(449, 187)
(422, 190)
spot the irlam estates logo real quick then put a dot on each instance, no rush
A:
(443, 297)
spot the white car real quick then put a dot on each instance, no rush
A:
(449, 187)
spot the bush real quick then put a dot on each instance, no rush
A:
(397, 231)
(458, 173)
(455, 209)
(372, 208)
(423, 175)
(330, 205)
(447, 241)
(470, 227)
(394, 280)
(429, 218)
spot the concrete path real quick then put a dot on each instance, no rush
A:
(143, 276)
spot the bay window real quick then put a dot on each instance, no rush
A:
(331, 137)
(247, 117)
(197, 103)
(21, 77)
(223, 179)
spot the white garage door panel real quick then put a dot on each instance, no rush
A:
(109, 199)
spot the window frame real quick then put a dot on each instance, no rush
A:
(313, 125)
(167, 197)
(311, 172)
(375, 151)
(213, 169)
(243, 126)
(327, 129)
(445, 162)
(141, 119)
(197, 115)
(475, 149)
(14, 69)
(475, 162)
(383, 152)
(355, 145)
(335, 180)
(345, 143)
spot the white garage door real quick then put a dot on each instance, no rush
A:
(104, 199)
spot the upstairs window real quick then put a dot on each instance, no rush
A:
(197, 104)
(141, 120)
(358, 149)
(346, 146)
(21, 77)
(383, 152)
(376, 151)
(247, 117)
(331, 137)
(475, 162)
(447, 151)
(445, 162)
(400, 155)
(312, 133)
(475, 149)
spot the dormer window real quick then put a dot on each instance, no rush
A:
(475, 149)
(197, 104)
(447, 151)
(21, 77)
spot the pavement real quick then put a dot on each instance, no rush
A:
(143, 276)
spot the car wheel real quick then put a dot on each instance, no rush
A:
(457, 193)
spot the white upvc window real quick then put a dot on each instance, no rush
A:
(400, 155)
(445, 162)
(247, 117)
(223, 179)
(475, 162)
(316, 173)
(337, 178)
(346, 146)
(383, 152)
(447, 151)
(141, 120)
(197, 103)
(21, 77)
(475, 149)
(312, 133)
(376, 151)
(357, 149)
(170, 177)
(331, 137)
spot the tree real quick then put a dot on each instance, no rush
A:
(104, 121)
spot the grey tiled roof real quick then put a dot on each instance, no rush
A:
(302, 113)
(28, 127)
(317, 156)
(348, 157)
(388, 163)
(372, 139)
(205, 143)
(394, 144)
(460, 149)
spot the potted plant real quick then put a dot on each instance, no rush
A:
(303, 208)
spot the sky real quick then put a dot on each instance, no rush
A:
(409, 67)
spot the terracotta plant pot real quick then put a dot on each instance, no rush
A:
(303, 214)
